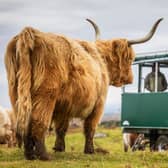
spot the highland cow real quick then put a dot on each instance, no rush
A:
(129, 140)
(134, 141)
(7, 127)
(53, 76)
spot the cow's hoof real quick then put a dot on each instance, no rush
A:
(59, 149)
(31, 157)
(89, 151)
(45, 157)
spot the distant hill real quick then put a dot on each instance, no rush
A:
(111, 116)
(107, 118)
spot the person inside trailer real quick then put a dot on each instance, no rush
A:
(149, 82)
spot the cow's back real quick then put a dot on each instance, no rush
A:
(74, 71)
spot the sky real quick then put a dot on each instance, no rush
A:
(129, 19)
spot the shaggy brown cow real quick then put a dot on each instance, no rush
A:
(129, 140)
(7, 127)
(134, 141)
(51, 75)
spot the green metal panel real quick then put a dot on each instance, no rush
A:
(144, 110)
(151, 57)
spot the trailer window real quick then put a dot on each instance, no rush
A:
(133, 88)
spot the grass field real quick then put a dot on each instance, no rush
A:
(74, 157)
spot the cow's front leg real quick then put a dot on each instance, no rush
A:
(89, 131)
(90, 125)
(61, 129)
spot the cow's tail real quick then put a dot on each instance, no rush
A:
(24, 47)
(20, 62)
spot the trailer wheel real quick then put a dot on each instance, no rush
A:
(162, 143)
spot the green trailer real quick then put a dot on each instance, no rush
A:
(144, 111)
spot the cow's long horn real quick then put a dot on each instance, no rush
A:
(148, 36)
(96, 28)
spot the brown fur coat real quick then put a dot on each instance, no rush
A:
(55, 77)
(74, 73)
